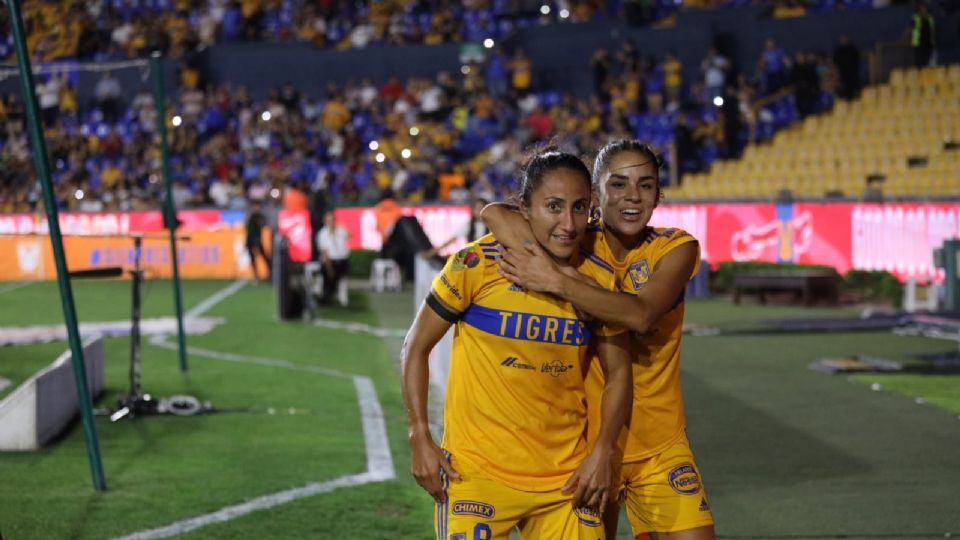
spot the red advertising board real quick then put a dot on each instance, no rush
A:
(899, 238)
(110, 223)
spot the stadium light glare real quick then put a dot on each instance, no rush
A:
(374, 145)
(564, 13)
(265, 116)
(545, 9)
(718, 101)
(406, 153)
(488, 43)
(414, 131)
(78, 194)
(176, 120)
(380, 157)
(275, 193)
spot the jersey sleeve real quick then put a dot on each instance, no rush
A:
(453, 288)
(678, 238)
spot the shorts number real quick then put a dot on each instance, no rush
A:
(482, 532)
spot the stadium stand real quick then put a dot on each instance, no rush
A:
(354, 139)
(900, 137)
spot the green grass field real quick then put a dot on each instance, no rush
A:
(786, 452)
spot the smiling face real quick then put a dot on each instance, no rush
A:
(558, 210)
(629, 191)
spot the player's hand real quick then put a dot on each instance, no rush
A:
(592, 481)
(531, 268)
(428, 461)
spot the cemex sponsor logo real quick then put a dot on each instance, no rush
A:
(515, 362)
(473, 508)
(453, 290)
(515, 288)
(555, 368)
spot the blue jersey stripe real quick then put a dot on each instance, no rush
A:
(489, 244)
(597, 260)
(527, 326)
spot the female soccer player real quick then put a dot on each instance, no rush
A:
(661, 482)
(514, 450)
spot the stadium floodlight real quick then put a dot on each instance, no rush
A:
(78, 194)
(465, 70)
(380, 157)
(545, 9)
(488, 43)
(718, 101)
(414, 131)
(374, 145)
(176, 120)
(406, 153)
(265, 116)
(564, 13)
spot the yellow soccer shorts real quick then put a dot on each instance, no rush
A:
(664, 493)
(479, 508)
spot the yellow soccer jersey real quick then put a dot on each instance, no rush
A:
(657, 419)
(516, 404)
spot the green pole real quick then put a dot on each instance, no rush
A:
(53, 219)
(169, 212)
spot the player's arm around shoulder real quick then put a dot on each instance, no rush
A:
(668, 280)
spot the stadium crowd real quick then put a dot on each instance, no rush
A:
(101, 30)
(450, 138)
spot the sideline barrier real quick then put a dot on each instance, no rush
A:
(39, 409)
(219, 254)
(897, 237)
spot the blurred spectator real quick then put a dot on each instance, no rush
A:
(772, 66)
(806, 83)
(334, 256)
(846, 58)
(923, 36)
(600, 68)
(715, 68)
(254, 227)
(108, 93)
(521, 73)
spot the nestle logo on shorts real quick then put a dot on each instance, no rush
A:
(473, 508)
(684, 479)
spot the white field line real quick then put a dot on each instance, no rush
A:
(360, 328)
(215, 299)
(259, 503)
(4, 383)
(379, 459)
(15, 286)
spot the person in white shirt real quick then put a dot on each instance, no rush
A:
(334, 255)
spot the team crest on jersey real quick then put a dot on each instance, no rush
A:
(684, 479)
(465, 258)
(473, 508)
(588, 516)
(555, 368)
(639, 273)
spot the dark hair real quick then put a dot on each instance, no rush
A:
(612, 148)
(542, 162)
